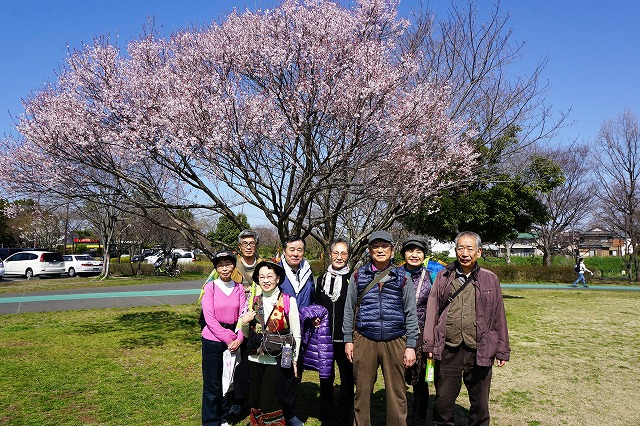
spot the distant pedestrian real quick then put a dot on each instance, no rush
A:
(581, 268)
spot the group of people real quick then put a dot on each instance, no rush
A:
(268, 321)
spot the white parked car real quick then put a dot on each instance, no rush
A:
(182, 256)
(152, 258)
(1, 269)
(186, 257)
(77, 264)
(34, 263)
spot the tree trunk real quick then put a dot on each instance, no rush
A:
(507, 253)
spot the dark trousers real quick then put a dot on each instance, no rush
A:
(264, 390)
(421, 395)
(456, 363)
(215, 406)
(328, 410)
(289, 391)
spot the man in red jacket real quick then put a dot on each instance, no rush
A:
(465, 331)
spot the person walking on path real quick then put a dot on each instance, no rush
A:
(581, 268)
(466, 332)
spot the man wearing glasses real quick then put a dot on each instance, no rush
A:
(466, 332)
(246, 263)
(380, 329)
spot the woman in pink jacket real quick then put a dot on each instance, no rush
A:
(223, 304)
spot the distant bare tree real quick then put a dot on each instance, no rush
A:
(617, 168)
(475, 59)
(270, 245)
(567, 205)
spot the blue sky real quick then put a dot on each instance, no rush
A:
(592, 47)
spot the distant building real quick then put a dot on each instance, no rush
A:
(598, 242)
(525, 244)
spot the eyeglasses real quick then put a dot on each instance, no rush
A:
(339, 254)
(263, 278)
(248, 244)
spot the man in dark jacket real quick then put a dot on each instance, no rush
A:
(380, 328)
(466, 333)
(299, 284)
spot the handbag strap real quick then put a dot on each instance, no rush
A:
(454, 295)
(407, 274)
(373, 282)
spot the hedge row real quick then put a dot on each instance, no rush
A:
(522, 270)
(131, 269)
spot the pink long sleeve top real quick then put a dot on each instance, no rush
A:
(219, 307)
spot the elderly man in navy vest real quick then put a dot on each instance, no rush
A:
(380, 328)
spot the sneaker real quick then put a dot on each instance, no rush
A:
(235, 410)
(224, 424)
(585, 285)
(294, 421)
(573, 285)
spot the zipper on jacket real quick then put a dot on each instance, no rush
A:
(381, 313)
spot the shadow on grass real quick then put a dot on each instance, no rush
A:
(508, 296)
(148, 328)
(308, 407)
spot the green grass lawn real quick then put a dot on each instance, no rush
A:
(574, 362)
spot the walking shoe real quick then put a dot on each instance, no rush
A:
(585, 285)
(573, 285)
(224, 424)
(294, 421)
(235, 410)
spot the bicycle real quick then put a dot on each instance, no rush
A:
(170, 268)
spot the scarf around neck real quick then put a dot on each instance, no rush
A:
(333, 282)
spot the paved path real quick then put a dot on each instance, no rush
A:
(175, 293)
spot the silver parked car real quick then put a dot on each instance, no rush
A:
(34, 263)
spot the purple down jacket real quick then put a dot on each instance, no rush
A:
(316, 348)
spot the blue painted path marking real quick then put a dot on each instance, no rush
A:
(569, 287)
(104, 295)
